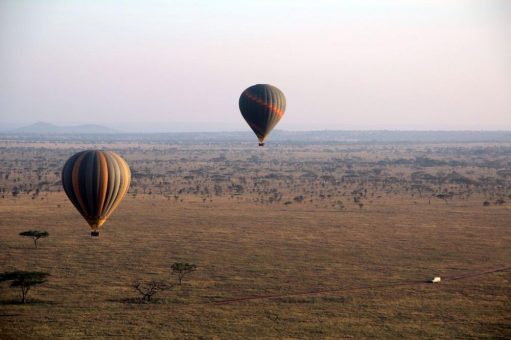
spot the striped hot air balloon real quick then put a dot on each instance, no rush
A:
(95, 182)
(262, 106)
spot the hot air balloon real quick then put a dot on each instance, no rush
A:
(95, 182)
(262, 106)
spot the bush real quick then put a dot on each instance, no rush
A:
(182, 269)
(150, 288)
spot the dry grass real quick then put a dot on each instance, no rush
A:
(245, 249)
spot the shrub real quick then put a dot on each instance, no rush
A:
(181, 269)
(150, 288)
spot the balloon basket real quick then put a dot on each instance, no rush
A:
(94, 233)
(261, 144)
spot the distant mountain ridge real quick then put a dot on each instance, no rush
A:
(48, 128)
(97, 132)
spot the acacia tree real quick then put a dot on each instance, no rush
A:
(35, 234)
(150, 288)
(24, 280)
(181, 269)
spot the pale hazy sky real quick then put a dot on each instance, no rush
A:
(172, 65)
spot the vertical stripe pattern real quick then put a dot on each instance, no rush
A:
(96, 182)
(262, 106)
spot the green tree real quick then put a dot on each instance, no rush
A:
(24, 280)
(35, 234)
(181, 269)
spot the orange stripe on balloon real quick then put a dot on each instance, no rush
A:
(279, 112)
(103, 181)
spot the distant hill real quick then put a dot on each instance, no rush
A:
(47, 128)
(391, 136)
(97, 132)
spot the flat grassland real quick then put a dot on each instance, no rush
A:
(333, 224)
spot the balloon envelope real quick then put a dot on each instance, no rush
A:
(96, 182)
(262, 106)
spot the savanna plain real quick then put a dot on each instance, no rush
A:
(291, 240)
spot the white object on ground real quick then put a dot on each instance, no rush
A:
(436, 279)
